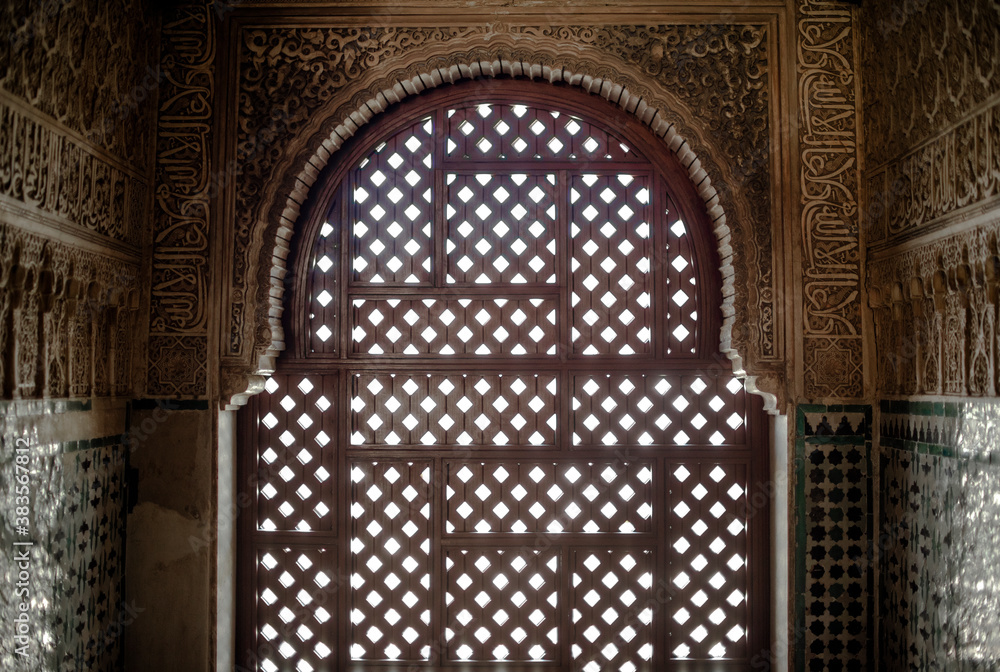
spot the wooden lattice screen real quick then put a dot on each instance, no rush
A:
(500, 432)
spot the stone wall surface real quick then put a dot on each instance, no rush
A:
(171, 542)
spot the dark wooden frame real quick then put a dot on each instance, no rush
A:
(667, 170)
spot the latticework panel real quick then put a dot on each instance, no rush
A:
(551, 497)
(471, 265)
(293, 432)
(707, 560)
(429, 409)
(502, 605)
(324, 308)
(462, 327)
(612, 613)
(391, 209)
(681, 297)
(610, 246)
(294, 589)
(390, 546)
(645, 409)
(501, 228)
(518, 132)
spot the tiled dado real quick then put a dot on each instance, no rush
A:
(76, 525)
(939, 535)
(833, 576)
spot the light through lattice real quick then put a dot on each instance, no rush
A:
(499, 430)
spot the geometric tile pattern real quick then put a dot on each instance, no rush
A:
(833, 530)
(77, 523)
(939, 541)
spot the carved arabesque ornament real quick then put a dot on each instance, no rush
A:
(304, 91)
(941, 301)
(67, 318)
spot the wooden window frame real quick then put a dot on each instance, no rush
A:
(666, 170)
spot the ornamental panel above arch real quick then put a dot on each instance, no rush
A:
(303, 92)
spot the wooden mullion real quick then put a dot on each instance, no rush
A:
(439, 198)
(564, 249)
(533, 453)
(658, 294)
(344, 271)
(457, 291)
(246, 583)
(663, 566)
(343, 506)
(564, 611)
(527, 365)
(436, 563)
(542, 165)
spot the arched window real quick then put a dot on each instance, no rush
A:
(502, 430)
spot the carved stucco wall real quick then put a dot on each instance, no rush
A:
(77, 83)
(932, 217)
(833, 343)
(295, 94)
(76, 110)
(301, 92)
(180, 293)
